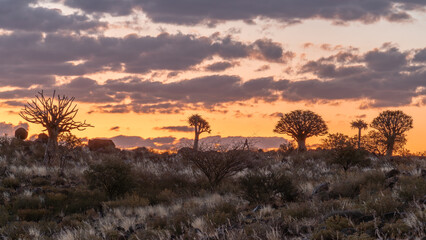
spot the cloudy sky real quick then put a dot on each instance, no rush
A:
(139, 68)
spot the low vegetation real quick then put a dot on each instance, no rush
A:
(336, 193)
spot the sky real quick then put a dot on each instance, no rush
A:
(139, 68)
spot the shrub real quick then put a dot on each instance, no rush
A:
(381, 203)
(332, 227)
(348, 156)
(128, 201)
(299, 210)
(81, 200)
(337, 141)
(398, 230)
(345, 189)
(222, 213)
(39, 181)
(32, 215)
(24, 202)
(411, 188)
(264, 187)
(166, 196)
(217, 165)
(114, 177)
(352, 185)
(55, 201)
(4, 216)
(11, 182)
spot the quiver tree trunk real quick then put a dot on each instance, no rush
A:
(359, 138)
(51, 155)
(196, 138)
(390, 143)
(389, 148)
(301, 143)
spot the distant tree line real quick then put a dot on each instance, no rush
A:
(390, 128)
(57, 113)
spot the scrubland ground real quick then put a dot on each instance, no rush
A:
(141, 194)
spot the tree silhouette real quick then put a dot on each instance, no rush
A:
(336, 140)
(375, 142)
(359, 124)
(392, 125)
(300, 125)
(56, 115)
(200, 125)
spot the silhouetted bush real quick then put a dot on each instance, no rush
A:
(11, 182)
(411, 188)
(348, 156)
(21, 133)
(217, 165)
(81, 200)
(382, 203)
(351, 186)
(222, 214)
(129, 201)
(113, 176)
(264, 187)
(33, 215)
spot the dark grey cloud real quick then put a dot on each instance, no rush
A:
(164, 140)
(116, 128)
(191, 12)
(276, 115)
(389, 60)
(19, 15)
(420, 56)
(271, 50)
(36, 58)
(172, 74)
(385, 76)
(172, 143)
(115, 7)
(219, 66)
(263, 68)
(176, 128)
(207, 90)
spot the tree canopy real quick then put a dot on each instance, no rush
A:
(200, 125)
(56, 114)
(392, 125)
(300, 125)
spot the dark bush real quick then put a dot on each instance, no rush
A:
(25, 202)
(411, 188)
(21, 133)
(264, 187)
(348, 156)
(351, 186)
(32, 215)
(114, 177)
(81, 200)
(216, 165)
(11, 182)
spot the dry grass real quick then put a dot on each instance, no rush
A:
(172, 199)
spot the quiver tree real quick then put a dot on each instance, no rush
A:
(359, 124)
(300, 125)
(392, 125)
(56, 115)
(200, 125)
(375, 142)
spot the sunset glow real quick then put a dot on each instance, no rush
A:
(140, 67)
